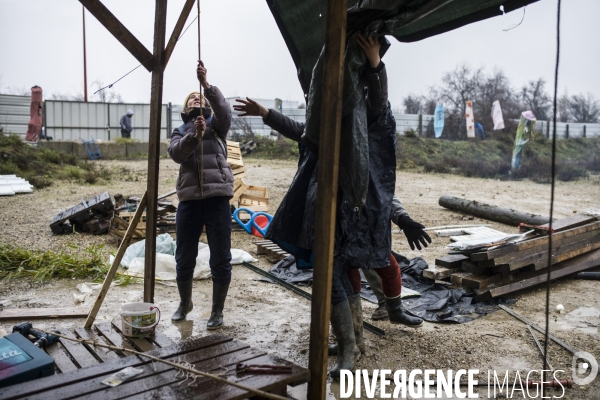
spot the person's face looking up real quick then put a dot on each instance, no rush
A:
(195, 101)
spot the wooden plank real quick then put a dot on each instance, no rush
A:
(457, 277)
(115, 265)
(451, 260)
(527, 280)
(114, 337)
(562, 253)
(102, 370)
(148, 383)
(78, 352)
(470, 266)
(327, 179)
(567, 223)
(185, 12)
(478, 281)
(61, 358)
(141, 344)
(439, 272)
(9, 314)
(509, 249)
(120, 32)
(103, 353)
(156, 91)
(557, 245)
(217, 390)
(161, 339)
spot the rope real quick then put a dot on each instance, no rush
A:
(172, 364)
(552, 186)
(180, 36)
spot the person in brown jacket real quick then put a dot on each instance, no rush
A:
(204, 187)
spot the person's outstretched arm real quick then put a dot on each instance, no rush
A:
(414, 231)
(221, 120)
(286, 126)
(377, 90)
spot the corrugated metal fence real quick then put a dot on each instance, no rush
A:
(73, 120)
(14, 113)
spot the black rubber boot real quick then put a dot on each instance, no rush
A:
(357, 324)
(185, 300)
(348, 351)
(398, 316)
(216, 316)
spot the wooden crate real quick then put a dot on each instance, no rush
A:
(234, 155)
(239, 187)
(256, 198)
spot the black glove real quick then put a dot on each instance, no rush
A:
(414, 232)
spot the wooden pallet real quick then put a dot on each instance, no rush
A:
(272, 251)
(217, 354)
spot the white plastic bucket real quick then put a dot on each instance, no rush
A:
(139, 319)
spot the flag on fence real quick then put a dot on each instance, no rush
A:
(438, 123)
(497, 116)
(524, 133)
(470, 120)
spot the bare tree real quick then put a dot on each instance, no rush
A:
(67, 96)
(584, 108)
(536, 99)
(459, 86)
(17, 90)
(563, 112)
(106, 95)
(412, 104)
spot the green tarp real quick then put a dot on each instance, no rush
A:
(302, 25)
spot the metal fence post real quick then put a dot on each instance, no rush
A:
(420, 128)
(169, 120)
(567, 132)
(548, 129)
(584, 131)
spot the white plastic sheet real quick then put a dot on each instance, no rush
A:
(497, 116)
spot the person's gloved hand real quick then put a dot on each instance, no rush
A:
(414, 232)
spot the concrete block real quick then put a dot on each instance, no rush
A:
(137, 149)
(111, 151)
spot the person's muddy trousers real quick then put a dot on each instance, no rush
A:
(213, 213)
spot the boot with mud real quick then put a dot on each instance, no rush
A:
(357, 323)
(185, 300)
(342, 326)
(398, 316)
(216, 316)
(380, 313)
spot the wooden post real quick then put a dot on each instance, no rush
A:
(584, 131)
(420, 125)
(548, 129)
(160, 22)
(328, 167)
(567, 132)
(115, 265)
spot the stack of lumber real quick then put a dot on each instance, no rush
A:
(254, 198)
(504, 269)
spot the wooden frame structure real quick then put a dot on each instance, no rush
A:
(329, 146)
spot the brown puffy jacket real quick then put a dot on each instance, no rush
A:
(203, 170)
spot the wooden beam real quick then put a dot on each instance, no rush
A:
(327, 180)
(117, 261)
(185, 13)
(118, 30)
(160, 24)
(9, 314)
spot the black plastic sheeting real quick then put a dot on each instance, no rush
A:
(302, 25)
(437, 303)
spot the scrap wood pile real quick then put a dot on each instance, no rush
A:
(505, 265)
(99, 215)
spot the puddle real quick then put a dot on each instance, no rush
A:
(583, 320)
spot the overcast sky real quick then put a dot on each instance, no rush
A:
(41, 44)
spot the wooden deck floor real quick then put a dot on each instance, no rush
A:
(80, 369)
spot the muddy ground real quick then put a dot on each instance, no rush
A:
(273, 319)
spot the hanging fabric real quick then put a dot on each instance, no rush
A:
(470, 120)
(497, 116)
(438, 123)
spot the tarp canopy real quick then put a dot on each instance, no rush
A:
(302, 25)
